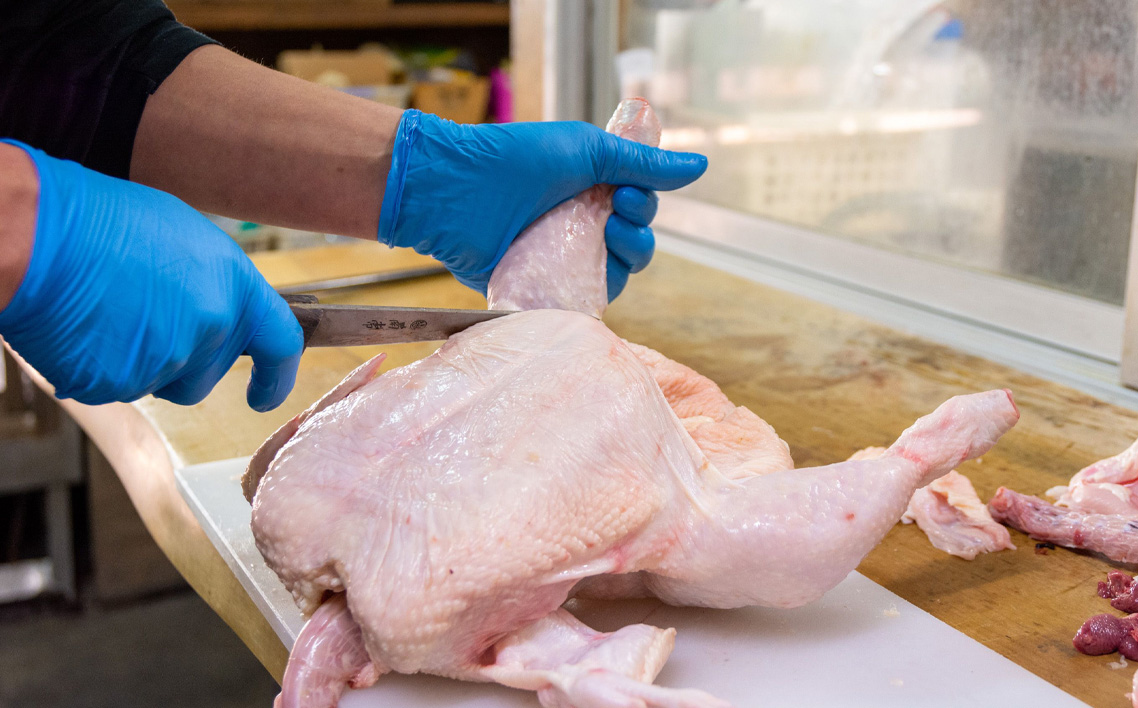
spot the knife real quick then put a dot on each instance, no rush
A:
(353, 325)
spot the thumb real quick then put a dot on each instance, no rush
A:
(275, 348)
(625, 162)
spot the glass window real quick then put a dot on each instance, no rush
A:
(998, 135)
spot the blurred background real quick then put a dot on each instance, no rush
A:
(992, 136)
(92, 615)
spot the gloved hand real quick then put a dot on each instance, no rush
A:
(130, 291)
(463, 193)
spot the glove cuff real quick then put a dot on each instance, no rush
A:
(405, 136)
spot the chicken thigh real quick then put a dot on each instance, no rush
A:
(435, 518)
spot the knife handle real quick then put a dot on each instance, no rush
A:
(308, 319)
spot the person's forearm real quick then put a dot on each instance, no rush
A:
(19, 188)
(234, 138)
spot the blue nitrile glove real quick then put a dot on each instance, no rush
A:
(130, 291)
(463, 193)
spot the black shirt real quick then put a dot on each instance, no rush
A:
(75, 74)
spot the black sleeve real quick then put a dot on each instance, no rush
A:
(75, 74)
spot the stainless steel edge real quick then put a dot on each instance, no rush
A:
(1043, 315)
(1128, 367)
(361, 280)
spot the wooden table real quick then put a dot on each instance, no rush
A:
(212, 15)
(829, 382)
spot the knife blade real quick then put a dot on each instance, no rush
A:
(354, 325)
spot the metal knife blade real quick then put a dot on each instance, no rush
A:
(352, 325)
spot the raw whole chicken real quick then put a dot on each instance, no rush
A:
(1108, 486)
(951, 514)
(436, 518)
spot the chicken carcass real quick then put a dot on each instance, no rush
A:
(436, 518)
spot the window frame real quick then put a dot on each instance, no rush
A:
(1079, 341)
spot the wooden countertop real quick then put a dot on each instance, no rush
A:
(829, 382)
(213, 15)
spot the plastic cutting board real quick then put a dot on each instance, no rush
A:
(860, 646)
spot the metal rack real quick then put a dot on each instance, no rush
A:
(39, 450)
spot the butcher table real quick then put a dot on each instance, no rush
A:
(829, 382)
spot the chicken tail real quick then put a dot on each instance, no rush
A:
(329, 655)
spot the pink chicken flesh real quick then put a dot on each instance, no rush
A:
(436, 518)
(558, 262)
(1112, 535)
(951, 514)
(1108, 486)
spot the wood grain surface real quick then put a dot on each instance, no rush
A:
(829, 382)
(212, 15)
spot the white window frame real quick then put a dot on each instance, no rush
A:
(1078, 341)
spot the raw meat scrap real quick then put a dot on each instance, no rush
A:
(1121, 590)
(1106, 634)
(1114, 536)
(1108, 486)
(954, 518)
(951, 515)
(437, 517)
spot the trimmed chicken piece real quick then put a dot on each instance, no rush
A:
(460, 500)
(1108, 486)
(951, 514)
(560, 260)
(1114, 536)
(573, 666)
(955, 520)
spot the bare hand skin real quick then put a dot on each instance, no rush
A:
(231, 137)
(19, 191)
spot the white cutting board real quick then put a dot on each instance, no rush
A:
(860, 646)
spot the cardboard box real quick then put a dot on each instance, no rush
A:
(362, 67)
(463, 99)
